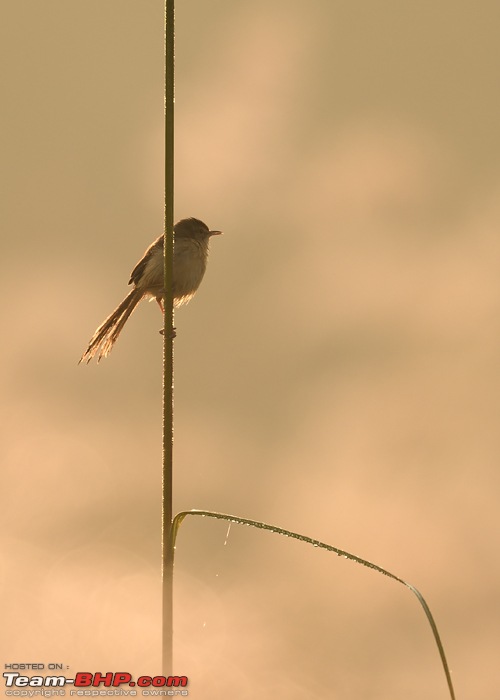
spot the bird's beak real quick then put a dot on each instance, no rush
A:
(215, 233)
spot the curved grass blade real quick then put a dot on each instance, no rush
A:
(330, 548)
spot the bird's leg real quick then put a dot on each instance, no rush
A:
(162, 309)
(160, 303)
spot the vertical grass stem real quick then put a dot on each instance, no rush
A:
(168, 350)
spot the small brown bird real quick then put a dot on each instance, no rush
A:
(191, 238)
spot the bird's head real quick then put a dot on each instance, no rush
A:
(193, 228)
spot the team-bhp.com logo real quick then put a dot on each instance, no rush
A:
(95, 685)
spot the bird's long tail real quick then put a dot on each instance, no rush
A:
(106, 335)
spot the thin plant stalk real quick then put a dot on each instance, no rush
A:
(168, 351)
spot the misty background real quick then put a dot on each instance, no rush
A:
(337, 373)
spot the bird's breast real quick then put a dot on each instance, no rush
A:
(190, 262)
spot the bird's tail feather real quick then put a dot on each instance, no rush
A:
(106, 335)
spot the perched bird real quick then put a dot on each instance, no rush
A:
(191, 238)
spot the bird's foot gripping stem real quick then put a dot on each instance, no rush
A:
(172, 335)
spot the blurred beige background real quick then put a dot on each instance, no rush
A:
(338, 373)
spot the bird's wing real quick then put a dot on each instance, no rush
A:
(138, 270)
